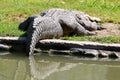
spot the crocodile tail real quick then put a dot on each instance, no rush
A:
(33, 36)
(45, 28)
(36, 36)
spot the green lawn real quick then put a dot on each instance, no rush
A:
(110, 39)
(13, 11)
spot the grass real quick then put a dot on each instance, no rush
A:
(9, 29)
(12, 12)
(110, 39)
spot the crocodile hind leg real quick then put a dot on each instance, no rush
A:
(25, 24)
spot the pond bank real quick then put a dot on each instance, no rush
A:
(18, 44)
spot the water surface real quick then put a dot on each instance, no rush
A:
(15, 66)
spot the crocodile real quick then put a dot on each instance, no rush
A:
(86, 21)
(41, 28)
(63, 16)
(57, 23)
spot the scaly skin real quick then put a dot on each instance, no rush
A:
(57, 23)
(86, 21)
(42, 28)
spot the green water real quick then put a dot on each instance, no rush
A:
(15, 66)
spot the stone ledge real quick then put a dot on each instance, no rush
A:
(56, 46)
(65, 44)
(59, 44)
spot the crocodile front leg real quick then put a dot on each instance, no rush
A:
(72, 26)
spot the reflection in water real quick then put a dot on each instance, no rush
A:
(45, 67)
(13, 67)
(43, 70)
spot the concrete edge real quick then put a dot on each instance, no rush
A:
(7, 42)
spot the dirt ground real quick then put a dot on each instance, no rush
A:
(111, 30)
